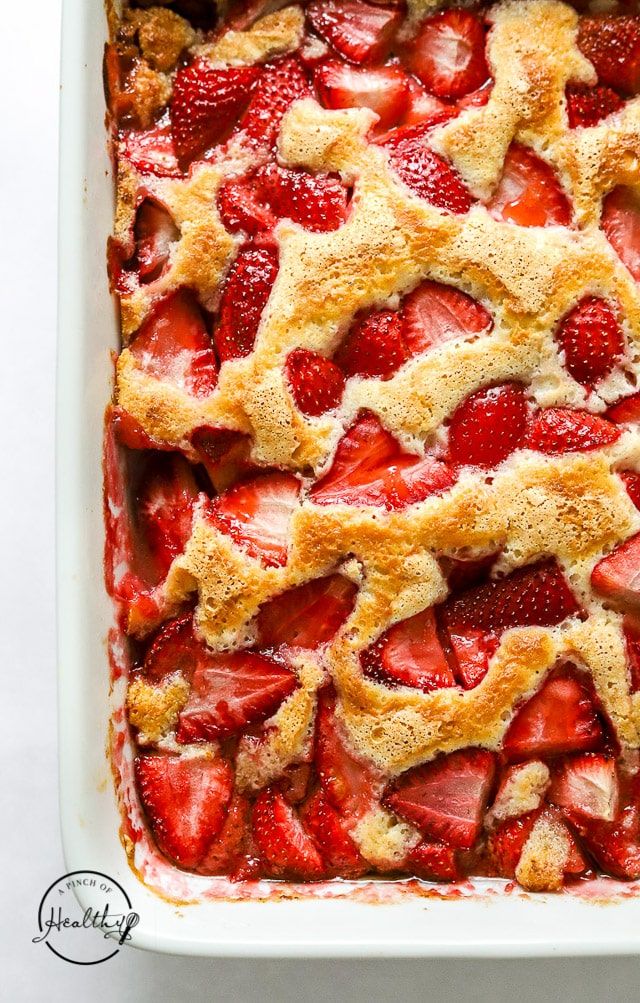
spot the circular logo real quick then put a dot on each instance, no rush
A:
(87, 933)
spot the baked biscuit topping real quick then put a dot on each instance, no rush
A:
(373, 459)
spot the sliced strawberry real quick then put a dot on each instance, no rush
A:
(257, 513)
(529, 192)
(223, 452)
(558, 430)
(488, 426)
(282, 840)
(468, 651)
(631, 628)
(382, 89)
(446, 798)
(130, 432)
(447, 53)
(173, 344)
(229, 692)
(587, 784)
(373, 346)
(424, 172)
(616, 845)
(617, 576)
(165, 506)
(349, 782)
(626, 410)
(434, 313)
(612, 44)
(424, 107)
(185, 800)
(280, 84)
(434, 862)
(358, 31)
(506, 843)
(316, 383)
(308, 615)
(476, 99)
(369, 468)
(154, 233)
(244, 297)
(561, 717)
(227, 850)
(151, 151)
(409, 654)
(586, 106)
(243, 206)
(324, 824)
(174, 649)
(631, 481)
(621, 225)
(592, 340)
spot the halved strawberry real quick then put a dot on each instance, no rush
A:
(626, 410)
(586, 106)
(173, 344)
(586, 784)
(151, 151)
(324, 824)
(257, 513)
(621, 225)
(447, 53)
(382, 89)
(426, 173)
(616, 845)
(558, 430)
(529, 193)
(154, 232)
(446, 798)
(560, 717)
(316, 383)
(130, 432)
(409, 654)
(373, 346)
(434, 862)
(206, 104)
(488, 426)
(175, 648)
(631, 627)
(229, 847)
(591, 338)
(631, 481)
(468, 652)
(348, 781)
(229, 692)
(245, 294)
(165, 506)
(308, 615)
(617, 576)
(185, 800)
(434, 313)
(281, 83)
(359, 31)
(424, 107)
(281, 838)
(370, 468)
(223, 452)
(612, 44)
(506, 842)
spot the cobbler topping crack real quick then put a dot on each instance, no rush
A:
(372, 464)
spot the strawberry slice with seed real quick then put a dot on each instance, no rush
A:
(434, 862)
(316, 383)
(257, 514)
(282, 839)
(245, 294)
(154, 232)
(586, 106)
(447, 54)
(612, 44)
(165, 506)
(626, 410)
(616, 845)
(426, 173)
(348, 781)
(621, 225)
(382, 89)
(409, 654)
(360, 32)
(558, 430)
(374, 346)
(227, 851)
(592, 340)
(446, 798)
(434, 313)
(506, 842)
(174, 649)
(330, 834)
(185, 800)
(280, 84)
(529, 193)
(561, 717)
(308, 615)
(617, 576)
(151, 151)
(587, 784)
(488, 426)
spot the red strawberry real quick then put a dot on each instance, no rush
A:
(257, 513)
(130, 432)
(592, 340)
(174, 649)
(409, 654)
(349, 783)
(425, 108)
(424, 172)
(281, 83)
(586, 106)
(468, 651)
(632, 642)
(165, 505)
(476, 99)
(446, 798)
(282, 840)
(227, 850)
(373, 346)
(316, 383)
(587, 784)
(369, 468)
(626, 410)
(631, 481)
(621, 225)
(294, 781)
(223, 452)
(506, 843)
(151, 151)
(434, 862)
(462, 573)
(173, 344)
(244, 297)
(486, 428)
(560, 717)
(308, 615)
(434, 314)
(206, 104)
(185, 799)
(529, 192)
(229, 692)
(447, 53)
(558, 430)
(382, 89)
(154, 232)
(242, 14)
(358, 31)
(324, 824)
(616, 845)
(612, 44)
(617, 576)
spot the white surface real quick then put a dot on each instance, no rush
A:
(30, 848)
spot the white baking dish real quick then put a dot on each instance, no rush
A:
(487, 922)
